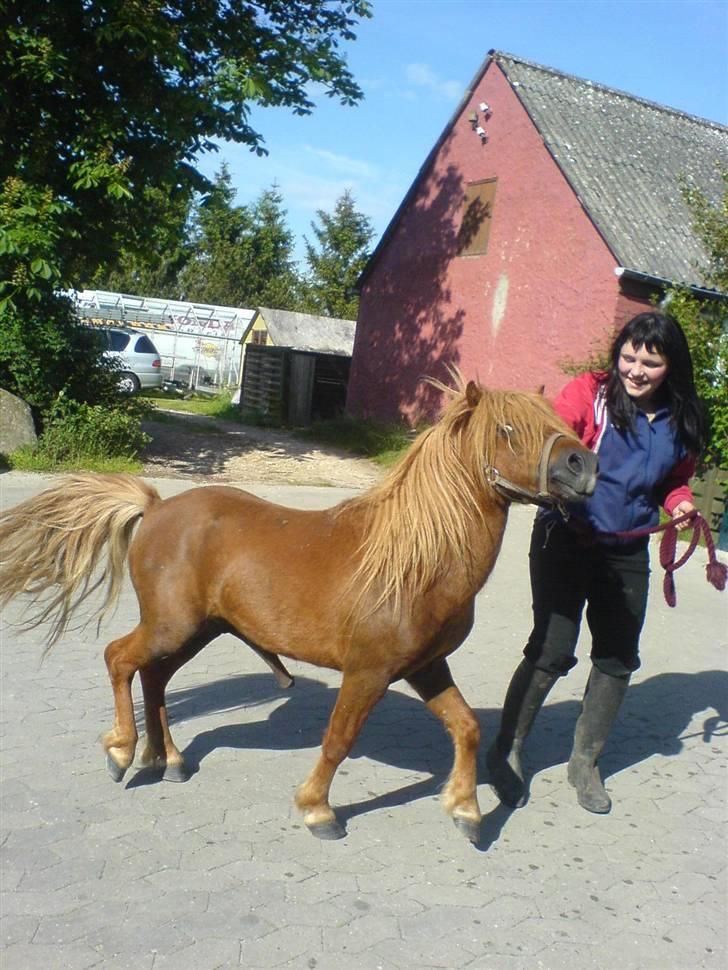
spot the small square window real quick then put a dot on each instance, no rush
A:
(477, 216)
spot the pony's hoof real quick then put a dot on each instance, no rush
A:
(177, 772)
(328, 831)
(469, 828)
(116, 772)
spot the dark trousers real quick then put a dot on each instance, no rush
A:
(610, 580)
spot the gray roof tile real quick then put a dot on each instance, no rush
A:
(623, 157)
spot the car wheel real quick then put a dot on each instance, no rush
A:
(128, 383)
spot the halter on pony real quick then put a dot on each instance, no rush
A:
(516, 493)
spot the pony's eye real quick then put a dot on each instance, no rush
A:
(505, 431)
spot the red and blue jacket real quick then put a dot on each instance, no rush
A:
(639, 469)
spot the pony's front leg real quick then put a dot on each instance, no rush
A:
(358, 694)
(122, 662)
(435, 686)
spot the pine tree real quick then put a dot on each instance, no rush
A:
(216, 270)
(275, 282)
(336, 262)
(242, 255)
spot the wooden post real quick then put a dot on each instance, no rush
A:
(300, 391)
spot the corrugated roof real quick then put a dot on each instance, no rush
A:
(624, 156)
(304, 331)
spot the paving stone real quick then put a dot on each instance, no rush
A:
(277, 948)
(202, 955)
(221, 872)
(440, 954)
(17, 929)
(29, 956)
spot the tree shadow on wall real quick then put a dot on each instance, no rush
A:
(412, 322)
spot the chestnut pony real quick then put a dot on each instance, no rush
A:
(380, 587)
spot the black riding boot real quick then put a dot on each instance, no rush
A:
(602, 700)
(524, 698)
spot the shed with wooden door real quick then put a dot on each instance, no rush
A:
(295, 366)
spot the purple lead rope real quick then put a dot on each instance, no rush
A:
(716, 572)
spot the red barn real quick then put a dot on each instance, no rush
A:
(545, 215)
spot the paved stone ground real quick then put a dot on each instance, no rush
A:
(220, 872)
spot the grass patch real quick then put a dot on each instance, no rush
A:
(382, 443)
(218, 406)
(85, 437)
(160, 416)
(30, 460)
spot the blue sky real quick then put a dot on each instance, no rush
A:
(414, 60)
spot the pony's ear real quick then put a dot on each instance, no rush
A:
(473, 394)
(541, 389)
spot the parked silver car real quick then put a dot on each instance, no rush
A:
(138, 359)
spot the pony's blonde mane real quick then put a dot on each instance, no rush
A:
(420, 518)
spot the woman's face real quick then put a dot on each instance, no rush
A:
(642, 372)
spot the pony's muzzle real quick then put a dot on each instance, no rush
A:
(573, 473)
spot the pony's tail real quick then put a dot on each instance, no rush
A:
(52, 545)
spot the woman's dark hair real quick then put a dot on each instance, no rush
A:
(660, 334)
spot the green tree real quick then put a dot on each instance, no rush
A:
(706, 328)
(274, 281)
(106, 104)
(705, 322)
(42, 350)
(711, 226)
(337, 258)
(218, 263)
(241, 255)
(152, 265)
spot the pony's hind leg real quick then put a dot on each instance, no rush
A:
(435, 686)
(358, 694)
(160, 751)
(123, 658)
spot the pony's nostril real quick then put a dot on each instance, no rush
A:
(575, 462)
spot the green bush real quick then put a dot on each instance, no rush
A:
(43, 352)
(706, 328)
(76, 432)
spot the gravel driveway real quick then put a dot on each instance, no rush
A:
(205, 449)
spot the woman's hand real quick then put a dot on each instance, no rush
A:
(682, 509)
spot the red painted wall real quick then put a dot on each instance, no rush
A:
(544, 291)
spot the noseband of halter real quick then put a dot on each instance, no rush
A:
(515, 493)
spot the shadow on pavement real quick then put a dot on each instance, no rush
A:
(401, 732)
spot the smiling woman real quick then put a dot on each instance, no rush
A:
(644, 420)
(642, 373)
